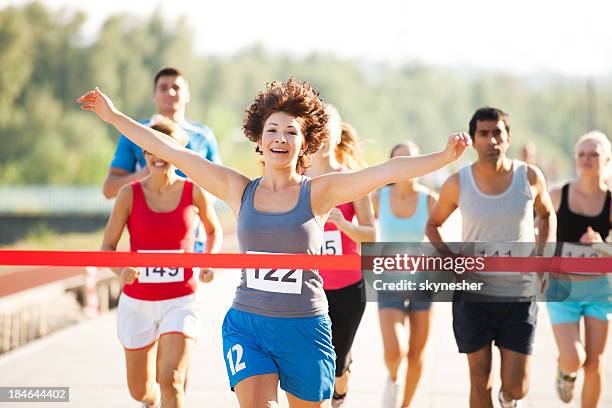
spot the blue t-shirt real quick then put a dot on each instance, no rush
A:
(129, 156)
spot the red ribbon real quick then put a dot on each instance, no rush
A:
(290, 261)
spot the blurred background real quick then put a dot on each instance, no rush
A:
(396, 70)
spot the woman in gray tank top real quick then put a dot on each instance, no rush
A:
(278, 328)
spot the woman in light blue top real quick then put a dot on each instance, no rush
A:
(402, 210)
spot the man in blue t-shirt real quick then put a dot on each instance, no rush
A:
(171, 95)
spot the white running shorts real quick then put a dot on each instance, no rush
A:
(140, 323)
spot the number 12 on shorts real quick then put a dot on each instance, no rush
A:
(239, 365)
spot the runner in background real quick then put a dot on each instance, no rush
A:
(496, 197)
(584, 215)
(342, 236)
(402, 210)
(278, 328)
(160, 311)
(170, 96)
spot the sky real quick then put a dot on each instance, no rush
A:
(520, 36)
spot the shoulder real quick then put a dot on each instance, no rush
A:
(449, 192)
(454, 179)
(534, 174)
(198, 131)
(124, 196)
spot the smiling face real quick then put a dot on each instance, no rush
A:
(491, 140)
(157, 165)
(281, 141)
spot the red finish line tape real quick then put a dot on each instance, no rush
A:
(237, 261)
(186, 260)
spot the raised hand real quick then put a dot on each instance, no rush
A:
(98, 103)
(457, 144)
(129, 275)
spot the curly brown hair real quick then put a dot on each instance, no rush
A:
(295, 98)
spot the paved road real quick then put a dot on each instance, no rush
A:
(88, 359)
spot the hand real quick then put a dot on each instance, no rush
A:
(590, 237)
(456, 145)
(336, 218)
(129, 275)
(98, 103)
(206, 275)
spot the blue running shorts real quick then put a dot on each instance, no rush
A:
(299, 350)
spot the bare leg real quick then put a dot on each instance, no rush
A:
(596, 337)
(174, 356)
(420, 323)
(480, 378)
(141, 373)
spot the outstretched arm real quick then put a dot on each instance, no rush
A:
(224, 182)
(333, 189)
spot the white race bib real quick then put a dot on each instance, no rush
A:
(158, 274)
(274, 280)
(332, 243)
(502, 249)
(569, 250)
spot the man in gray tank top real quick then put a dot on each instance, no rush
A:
(497, 197)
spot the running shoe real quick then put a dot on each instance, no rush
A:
(508, 404)
(390, 394)
(565, 385)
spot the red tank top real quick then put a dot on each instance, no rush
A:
(170, 231)
(338, 243)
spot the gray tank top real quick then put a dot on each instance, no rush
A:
(280, 292)
(497, 219)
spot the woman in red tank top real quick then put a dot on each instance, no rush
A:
(159, 310)
(342, 237)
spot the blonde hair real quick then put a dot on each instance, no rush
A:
(348, 152)
(597, 137)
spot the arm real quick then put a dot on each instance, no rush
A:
(365, 230)
(432, 200)
(555, 198)
(114, 229)
(447, 203)
(544, 209)
(117, 178)
(375, 203)
(333, 189)
(224, 182)
(122, 169)
(208, 216)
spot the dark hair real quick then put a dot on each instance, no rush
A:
(166, 71)
(488, 114)
(295, 98)
(408, 144)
